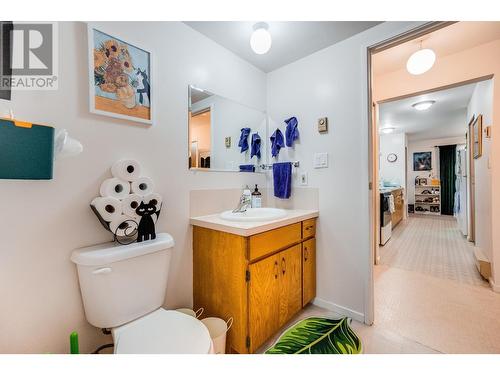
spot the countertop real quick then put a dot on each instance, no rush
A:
(246, 229)
(389, 189)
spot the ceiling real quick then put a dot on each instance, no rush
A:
(198, 95)
(446, 118)
(446, 41)
(291, 40)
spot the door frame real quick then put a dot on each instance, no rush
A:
(373, 189)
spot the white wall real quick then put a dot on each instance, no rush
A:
(393, 172)
(44, 221)
(482, 103)
(333, 83)
(423, 146)
(227, 119)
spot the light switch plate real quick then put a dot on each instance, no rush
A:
(321, 160)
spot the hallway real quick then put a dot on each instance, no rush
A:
(428, 290)
(432, 245)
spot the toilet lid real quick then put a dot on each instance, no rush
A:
(163, 332)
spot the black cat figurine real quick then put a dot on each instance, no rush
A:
(146, 227)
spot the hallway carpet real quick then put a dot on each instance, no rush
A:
(432, 245)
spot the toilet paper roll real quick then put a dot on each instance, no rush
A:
(126, 170)
(108, 207)
(123, 226)
(115, 187)
(130, 203)
(153, 196)
(142, 186)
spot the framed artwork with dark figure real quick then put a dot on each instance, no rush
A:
(422, 161)
(477, 136)
(6, 28)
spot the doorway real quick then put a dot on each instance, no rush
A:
(412, 281)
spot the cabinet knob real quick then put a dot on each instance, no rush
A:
(276, 270)
(283, 265)
(306, 254)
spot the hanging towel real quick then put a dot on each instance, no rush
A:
(277, 142)
(291, 132)
(282, 178)
(243, 143)
(247, 168)
(255, 146)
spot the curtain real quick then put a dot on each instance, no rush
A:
(447, 159)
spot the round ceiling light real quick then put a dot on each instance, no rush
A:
(261, 40)
(422, 106)
(387, 130)
(421, 61)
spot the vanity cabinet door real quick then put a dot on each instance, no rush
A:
(263, 303)
(308, 270)
(290, 299)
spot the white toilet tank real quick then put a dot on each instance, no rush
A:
(120, 283)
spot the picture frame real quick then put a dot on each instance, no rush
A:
(477, 137)
(121, 77)
(422, 161)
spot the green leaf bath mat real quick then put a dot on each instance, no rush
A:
(318, 336)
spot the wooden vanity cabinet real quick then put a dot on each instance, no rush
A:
(261, 281)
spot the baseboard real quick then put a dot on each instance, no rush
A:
(356, 315)
(494, 287)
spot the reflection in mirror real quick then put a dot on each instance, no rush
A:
(214, 130)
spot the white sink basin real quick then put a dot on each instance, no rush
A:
(254, 214)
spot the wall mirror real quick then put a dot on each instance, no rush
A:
(215, 126)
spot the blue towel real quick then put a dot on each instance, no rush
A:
(243, 143)
(292, 132)
(247, 168)
(282, 178)
(277, 142)
(255, 146)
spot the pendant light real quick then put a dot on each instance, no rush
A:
(261, 40)
(421, 61)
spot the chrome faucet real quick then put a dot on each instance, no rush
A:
(245, 202)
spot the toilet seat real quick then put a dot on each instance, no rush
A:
(162, 332)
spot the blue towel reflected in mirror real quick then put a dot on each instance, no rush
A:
(247, 168)
(277, 142)
(243, 143)
(255, 146)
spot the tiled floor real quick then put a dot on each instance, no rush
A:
(417, 312)
(432, 245)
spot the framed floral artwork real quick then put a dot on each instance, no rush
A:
(120, 78)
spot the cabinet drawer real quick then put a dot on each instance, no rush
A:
(269, 242)
(308, 228)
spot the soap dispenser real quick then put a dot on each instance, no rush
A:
(256, 198)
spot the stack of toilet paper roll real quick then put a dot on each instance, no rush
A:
(122, 194)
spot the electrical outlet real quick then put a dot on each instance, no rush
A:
(227, 142)
(303, 178)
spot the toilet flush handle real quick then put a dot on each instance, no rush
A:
(101, 270)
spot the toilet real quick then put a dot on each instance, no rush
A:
(123, 288)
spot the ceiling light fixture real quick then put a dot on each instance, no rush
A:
(387, 129)
(422, 106)
(421, 61)
(261, 40)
